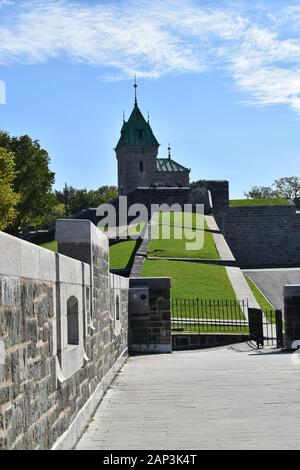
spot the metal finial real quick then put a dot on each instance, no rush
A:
(169, 151)
(135, 87)
(123, 117)
(148, 118)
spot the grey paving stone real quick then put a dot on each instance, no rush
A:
(231, 398)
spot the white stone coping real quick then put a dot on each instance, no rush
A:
(19, 258)
(72, 271)
(118, 282)
(291, 290)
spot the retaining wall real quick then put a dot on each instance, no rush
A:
(263, 236)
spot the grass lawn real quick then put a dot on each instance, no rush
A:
(192, 280)
(134, 230)
(177, 248)
(259, 202)
(50, 245)
(189, 219)
(120, 254)
(261, 299)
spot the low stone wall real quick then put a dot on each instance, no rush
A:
(218, 190)
(149, 315)
(63, 330)
(263, 236)
(201, 341)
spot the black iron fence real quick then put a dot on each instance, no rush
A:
(227, 316)
(266, 327)
(205, 316)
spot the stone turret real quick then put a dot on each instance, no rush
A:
(136, 153)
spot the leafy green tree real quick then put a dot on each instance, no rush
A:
(8, 197)
(33, 181)
(288, 187)
(78, 199)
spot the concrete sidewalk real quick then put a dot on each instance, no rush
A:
(220, 242)
(240, 286)
(211, 399)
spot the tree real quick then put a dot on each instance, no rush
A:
(198, 184)
(8, 197)
(288, 187)
(33, 181)
(260, 192)
(78, 199)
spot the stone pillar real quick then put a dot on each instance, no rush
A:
(291, 295)
(82, 240)
(149, 315)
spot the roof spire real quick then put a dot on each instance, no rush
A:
(135, 87)
(169, 152)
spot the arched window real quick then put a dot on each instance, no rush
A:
(117, 308)
(73, 320)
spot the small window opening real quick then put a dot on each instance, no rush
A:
(73, 320)
(141, 133)
(141, 166)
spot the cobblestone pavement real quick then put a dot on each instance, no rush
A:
(225, 398)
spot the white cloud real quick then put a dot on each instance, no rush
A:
(260, 51)
(6, 2)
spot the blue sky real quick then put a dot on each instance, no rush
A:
(220, 79)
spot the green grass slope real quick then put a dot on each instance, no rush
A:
(120, 254)
(259, 202)
(172, 241)
(192, 280)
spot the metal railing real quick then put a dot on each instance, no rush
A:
(209, 316)
(266, 327)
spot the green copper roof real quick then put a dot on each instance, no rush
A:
(167, 164)
(137, 131)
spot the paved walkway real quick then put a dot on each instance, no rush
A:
(240, 286)
(220, 242)
(210, 399)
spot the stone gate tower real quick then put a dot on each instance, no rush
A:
(137, 152)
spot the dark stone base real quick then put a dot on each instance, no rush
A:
(194, 341)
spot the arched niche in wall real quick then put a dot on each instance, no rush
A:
(117, 307)
(73, 320)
